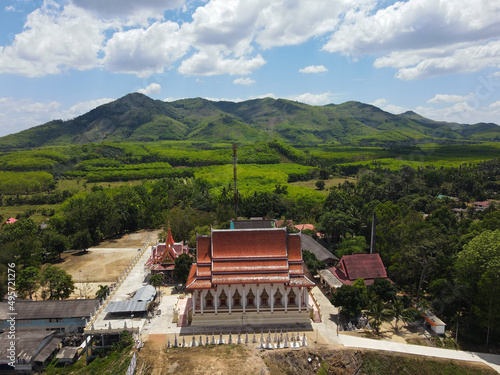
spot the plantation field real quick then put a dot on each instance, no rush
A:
(38, 211)
(43, 178)
(311, 184)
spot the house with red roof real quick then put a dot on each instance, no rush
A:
(249, 276)
(352, 267)
(11, 221)
(163, 256)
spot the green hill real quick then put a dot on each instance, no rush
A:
(138, 118)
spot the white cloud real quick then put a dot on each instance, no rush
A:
(145, 52)
(10, 8)
(53, 41)
(444, 98)
(21, 114)
(313, 99)
(243, 81)
(495, 105)
(81, 108)
(130, 11)
(463, 112)
(379, 102)
(313, 69)
(423, 38)
(384, 105)
(152, 89)
(208, 63)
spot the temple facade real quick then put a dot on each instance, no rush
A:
(249, 276)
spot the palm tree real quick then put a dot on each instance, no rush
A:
(102, 292)
(378, 313)
(399, 311)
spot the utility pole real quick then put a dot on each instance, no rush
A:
(372, 242)
(235, 160)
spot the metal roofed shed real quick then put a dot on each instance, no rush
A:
(138, 304)
(34, 349)
(321, 253)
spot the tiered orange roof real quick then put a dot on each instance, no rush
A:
(248, 256)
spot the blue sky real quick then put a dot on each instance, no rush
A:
(439, 58)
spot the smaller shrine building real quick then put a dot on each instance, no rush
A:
(163, 256)
(249, 276)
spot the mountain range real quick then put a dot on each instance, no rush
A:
(138, 118)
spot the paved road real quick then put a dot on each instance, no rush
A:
(491, 360)
(328, 326)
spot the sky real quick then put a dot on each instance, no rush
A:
(61, 58)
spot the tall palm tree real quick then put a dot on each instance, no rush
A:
(378, 313)
(398, 311)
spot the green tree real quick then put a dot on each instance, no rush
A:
(82, 240)
(28, 281)
(182, 267)
(156, 280)
(312, 263)
(378, 312)
(56, 282)
(350, 299)
(320, 185)
(399, 312)
(102, 292)
(383, 289)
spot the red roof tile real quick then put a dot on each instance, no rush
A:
(365, 266)
(294, 250)
(251, 278)
(203, 270)
(296, 269)
(192, 275)
(203, 249)
(250, 266)
(304, 226)
(200, 284)
(301, 281)
(259, 243)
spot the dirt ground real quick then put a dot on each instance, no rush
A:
(156, 359)
(406, 334)
(103, 264)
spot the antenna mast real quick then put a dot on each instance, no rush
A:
(235, 160)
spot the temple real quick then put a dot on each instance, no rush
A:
(249, 276)
(163, 256)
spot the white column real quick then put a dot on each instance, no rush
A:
(257, 296)
(202, 299)
(299, 294)
(230, 299)
(216, 299)
(195, 296)
(306, 298)
(272, 297)
(244, 299)
(286, 299)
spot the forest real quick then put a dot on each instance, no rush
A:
(438, 248)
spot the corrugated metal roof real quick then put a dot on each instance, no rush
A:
(127, 306)
(70, 308)
(310, 244)
(139, 303)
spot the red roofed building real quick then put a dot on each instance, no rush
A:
(11, 221)
(357, 266)
(163, 255)
(249, 276)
